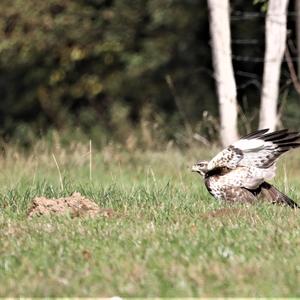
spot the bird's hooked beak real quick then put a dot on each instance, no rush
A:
(195, 168)
(200, 167)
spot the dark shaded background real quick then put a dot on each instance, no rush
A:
(98, 69)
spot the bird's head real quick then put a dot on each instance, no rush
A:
(200, 167)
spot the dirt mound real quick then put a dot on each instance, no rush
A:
(76, 205)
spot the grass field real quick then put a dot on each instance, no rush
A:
(168, 237)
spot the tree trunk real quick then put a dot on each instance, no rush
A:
(275, 45)
(226, 87)
(297, 9)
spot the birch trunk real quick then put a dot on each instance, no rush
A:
(275, 46)
(226, 87)
(297, 9)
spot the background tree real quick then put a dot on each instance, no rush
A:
(297, 10)
(223, 70)
(276, 29)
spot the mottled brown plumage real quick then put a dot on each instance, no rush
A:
(239, 172)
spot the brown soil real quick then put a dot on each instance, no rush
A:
(76, 205)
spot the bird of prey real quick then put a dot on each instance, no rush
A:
(239, 172)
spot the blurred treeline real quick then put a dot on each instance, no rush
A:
(133, 71)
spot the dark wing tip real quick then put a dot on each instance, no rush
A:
(290, 137)
(286, 147)
(278, 137)
(278, 197)
(275, 135)
(255, 134)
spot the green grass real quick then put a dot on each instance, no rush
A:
(168, 237)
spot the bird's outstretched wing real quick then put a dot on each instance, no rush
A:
(258, 149)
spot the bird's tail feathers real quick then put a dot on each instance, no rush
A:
(275, 196)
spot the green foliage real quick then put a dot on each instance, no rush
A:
(66, 64)
(263, 4)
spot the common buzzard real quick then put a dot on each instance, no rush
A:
(239, 172)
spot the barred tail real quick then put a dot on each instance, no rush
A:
(275, 196)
